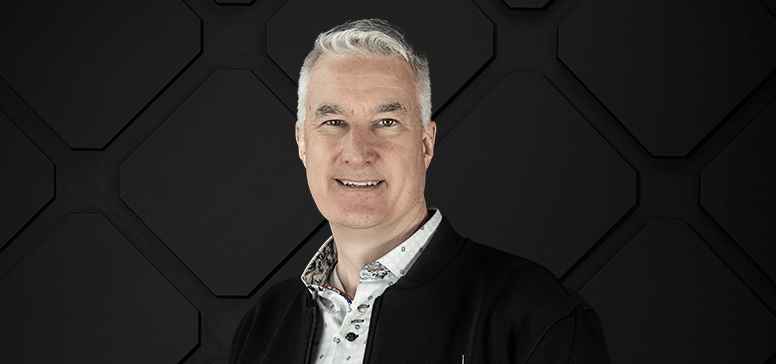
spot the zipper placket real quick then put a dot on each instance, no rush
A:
(311, 336)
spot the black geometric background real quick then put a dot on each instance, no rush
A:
(151, 189)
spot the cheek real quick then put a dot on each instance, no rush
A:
(316, 171)
(316, 155)
(410, 166)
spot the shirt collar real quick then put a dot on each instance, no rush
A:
(317, 271)
(398, 261)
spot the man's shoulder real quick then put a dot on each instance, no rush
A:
(495, 275)
(497, 262)
(285, 291)
(277, 299)
(518, 279)
(285, 302)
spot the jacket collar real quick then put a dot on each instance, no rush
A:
(442, 248)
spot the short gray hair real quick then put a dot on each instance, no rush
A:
(368, 36)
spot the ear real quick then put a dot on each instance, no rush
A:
(300, 144)
(429, 138)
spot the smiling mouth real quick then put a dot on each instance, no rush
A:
(355, 184)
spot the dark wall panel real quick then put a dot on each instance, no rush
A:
(206, 182)
(526, 4)
(85, 295)
(657, 65)
(88, 67)
(668, 275)
(547, 184)
(27, 178)
(625, 145)
(733, 189)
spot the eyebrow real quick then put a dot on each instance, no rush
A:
(326, 110)
(392, 107)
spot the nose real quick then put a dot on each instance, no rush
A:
(359, 146)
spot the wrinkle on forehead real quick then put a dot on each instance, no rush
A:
(350, 85)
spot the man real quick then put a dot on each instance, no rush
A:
(395, 283)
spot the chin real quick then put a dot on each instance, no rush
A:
(359, 218)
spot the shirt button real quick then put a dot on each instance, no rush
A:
(362, 307)
(351, 336)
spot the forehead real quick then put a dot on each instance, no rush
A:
(361, 77)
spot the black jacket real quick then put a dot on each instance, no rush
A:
(461, 301)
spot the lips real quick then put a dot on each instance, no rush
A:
(359, 184)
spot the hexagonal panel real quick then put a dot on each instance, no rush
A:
(666, 298)
(86, 295)
(737, 190)
(206, 183)
(669, 70)
(87, 68)
(27, 179)
(549, 183)
(526, 4)
(431, 26)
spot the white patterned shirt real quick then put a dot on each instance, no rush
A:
(342, 337)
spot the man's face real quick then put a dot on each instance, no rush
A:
(363, 144)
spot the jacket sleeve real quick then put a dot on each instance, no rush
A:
(574, 339)
(240, 335)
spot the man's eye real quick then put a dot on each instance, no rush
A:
(332, 122)
(387, 122)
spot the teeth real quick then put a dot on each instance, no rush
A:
(359, 184)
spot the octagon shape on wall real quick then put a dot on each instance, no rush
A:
(550, 185)
(670, 71)
(72, 68)
(207, 181)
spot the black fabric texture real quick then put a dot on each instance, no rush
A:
(460, 302)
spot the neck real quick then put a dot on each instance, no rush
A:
(359, 247)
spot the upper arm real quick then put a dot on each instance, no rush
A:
(573, 339)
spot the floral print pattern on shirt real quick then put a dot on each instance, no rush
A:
(317, 272)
